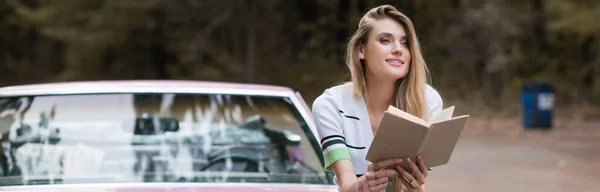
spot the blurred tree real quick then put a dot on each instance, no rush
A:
(103, 39)
(574, 35)
(24, 53)
(476, 49)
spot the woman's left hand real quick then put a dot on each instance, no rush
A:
(413, 179)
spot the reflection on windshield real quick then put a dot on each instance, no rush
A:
(154, 138)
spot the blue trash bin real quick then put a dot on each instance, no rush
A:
(538, 103)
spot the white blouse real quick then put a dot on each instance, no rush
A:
(344, 127)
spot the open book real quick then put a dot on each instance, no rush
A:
(402, 135)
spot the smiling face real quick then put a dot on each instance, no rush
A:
(386, 53)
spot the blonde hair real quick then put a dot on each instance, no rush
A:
(409, 91)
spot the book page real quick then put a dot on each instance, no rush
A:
(442, 115)
(407, 116)
(441, 141)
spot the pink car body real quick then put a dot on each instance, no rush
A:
(175, 187)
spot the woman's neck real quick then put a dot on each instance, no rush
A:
(379, 94)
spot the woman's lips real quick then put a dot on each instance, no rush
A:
(395, 62)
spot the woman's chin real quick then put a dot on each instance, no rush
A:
(398, 74)
(398, 70)
(394, 77)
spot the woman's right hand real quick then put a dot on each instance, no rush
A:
(378, 175)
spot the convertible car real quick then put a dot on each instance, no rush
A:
(162, 135)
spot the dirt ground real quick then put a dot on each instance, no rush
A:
(499, 155)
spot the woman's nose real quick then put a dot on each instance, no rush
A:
(397, 50)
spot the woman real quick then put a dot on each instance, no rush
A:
(387, 68)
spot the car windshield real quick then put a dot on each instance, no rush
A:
(99, 138)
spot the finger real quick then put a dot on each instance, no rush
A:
(361, 182)
(386, 163)
(422, 166)
(363, 185)
(407, 184)
(379, 187)
(407, 176)
(377, 182)
(384, 173)
(372, 175)
(415, 171)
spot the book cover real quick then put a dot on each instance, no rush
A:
(402, 135)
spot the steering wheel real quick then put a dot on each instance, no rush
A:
(239, 164)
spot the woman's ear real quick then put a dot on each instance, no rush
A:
(361, 52)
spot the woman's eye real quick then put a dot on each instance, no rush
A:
(405, 43)
(385, 41)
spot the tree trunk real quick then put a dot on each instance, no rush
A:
(159, 55)
(342, 18)
(251, 45)
(539, 25)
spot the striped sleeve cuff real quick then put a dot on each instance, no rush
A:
(334, 149)
(334, 155)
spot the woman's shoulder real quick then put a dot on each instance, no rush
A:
(338, 91)
(432, 92)
(334, 94)
(433, 98)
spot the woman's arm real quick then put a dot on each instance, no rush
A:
(375, 180)
(336, 155)
(344, 171)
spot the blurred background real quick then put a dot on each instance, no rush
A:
(480, 52)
